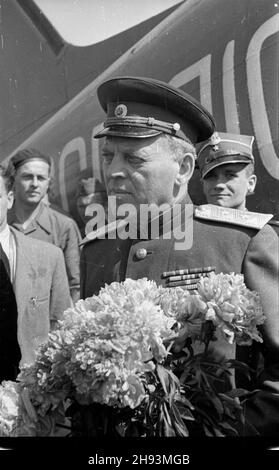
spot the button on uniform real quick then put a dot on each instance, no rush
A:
(141, 253)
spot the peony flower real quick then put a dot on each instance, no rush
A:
(17, 414)
(233, 309)
(108, 348)
(9, 408)
(102, 348)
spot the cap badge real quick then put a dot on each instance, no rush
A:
(121, 111)
(150, 121)
(214, 141)
(176, 127)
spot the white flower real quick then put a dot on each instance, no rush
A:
(107, 347)
(9, 408)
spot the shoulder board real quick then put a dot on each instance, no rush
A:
(232, 216)
(274, 222)
(104, 232)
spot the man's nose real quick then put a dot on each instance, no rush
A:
(35, 181)
(117, 167)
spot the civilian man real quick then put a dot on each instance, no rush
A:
(34, 289)
(34, 218)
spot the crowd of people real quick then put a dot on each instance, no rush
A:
(153, 137)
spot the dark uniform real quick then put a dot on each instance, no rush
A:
(224, 240)
(9, 348)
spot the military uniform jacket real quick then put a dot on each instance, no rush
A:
(229, 247)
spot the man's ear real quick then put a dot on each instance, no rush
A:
(186, 169)
(10, 197)
(252, 181)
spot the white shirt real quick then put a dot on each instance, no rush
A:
(9, 248)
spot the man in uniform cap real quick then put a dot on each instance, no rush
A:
(33, 216)
(226, 164)
(148, 157)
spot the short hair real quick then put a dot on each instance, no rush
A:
(8, 175)
(180, 147)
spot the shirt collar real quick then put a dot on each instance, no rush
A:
(43, 218)
(5, 234)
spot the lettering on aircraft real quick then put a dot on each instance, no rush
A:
(256, 95)
(75, 145)
(202, 70)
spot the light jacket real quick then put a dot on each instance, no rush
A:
(41, 291)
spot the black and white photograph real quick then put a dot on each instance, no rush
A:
(139, 232)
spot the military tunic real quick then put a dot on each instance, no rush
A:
(229, 247)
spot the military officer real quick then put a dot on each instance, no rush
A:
(226, 164)
(148, 157)
(227, 169)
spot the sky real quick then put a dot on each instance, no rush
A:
(83, 22)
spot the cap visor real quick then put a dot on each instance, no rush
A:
(237, 159)
(135, 133)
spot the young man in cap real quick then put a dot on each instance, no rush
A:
(226, 164)
(33, 217)
(148, 157)
(227, 169)
(34, 289)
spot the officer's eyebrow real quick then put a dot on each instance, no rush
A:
(126, 151)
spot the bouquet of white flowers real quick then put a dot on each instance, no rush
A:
(136, 360)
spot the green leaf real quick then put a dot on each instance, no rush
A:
(169, 381)
(227, 427)
(217, 404)
(163, 377)
(166, 413)
(185, 402)
(207, 431)
(218, 432)
(237, 392)
(179, 415)
(168, 429)
(181, 430)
